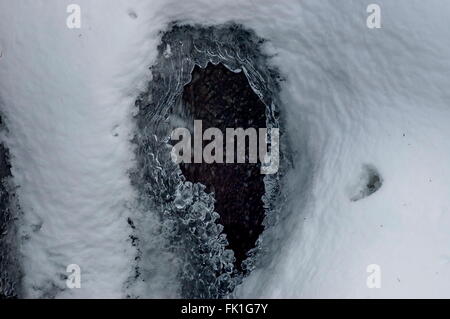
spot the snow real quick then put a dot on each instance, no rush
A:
(67, 94)
(352, 97)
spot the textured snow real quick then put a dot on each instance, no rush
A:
(352, 97)
(67, 94)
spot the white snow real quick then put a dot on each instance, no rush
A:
(67, 94)
(352, 96)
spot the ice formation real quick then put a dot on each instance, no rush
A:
(9, 213)
(186, 210)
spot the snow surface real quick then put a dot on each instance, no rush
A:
(66, 95)
(352, 97)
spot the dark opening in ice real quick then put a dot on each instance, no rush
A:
(196, 77)
(224, 99)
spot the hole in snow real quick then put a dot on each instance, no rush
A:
(224, 99)
(214, 240)
(132, 14)
(368, 183)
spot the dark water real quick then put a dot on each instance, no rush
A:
(224, 99)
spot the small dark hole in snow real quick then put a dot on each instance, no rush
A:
(368, 183)
(374, 183)
(132, 14)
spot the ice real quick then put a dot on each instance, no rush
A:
(9, 213)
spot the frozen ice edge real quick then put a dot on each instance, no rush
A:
(10, 270)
